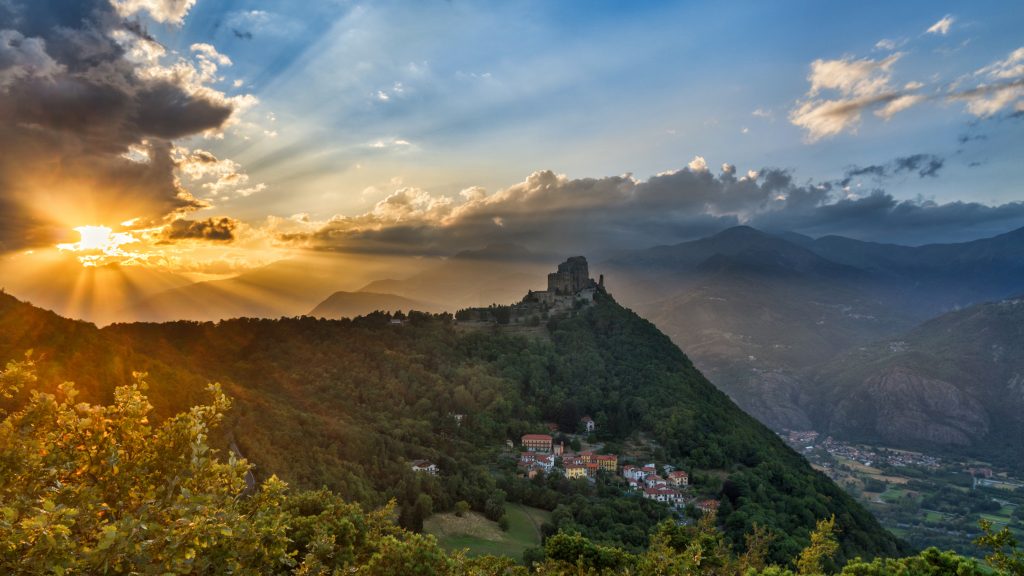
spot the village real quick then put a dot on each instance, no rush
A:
(541, 455)
(806, 441)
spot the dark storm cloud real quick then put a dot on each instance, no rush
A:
(599, 216)
(71, 105)
(881, 217)
(212, 229)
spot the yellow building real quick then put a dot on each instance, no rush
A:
(572, 472)
(609, 462)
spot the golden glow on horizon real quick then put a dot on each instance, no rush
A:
(99, 243)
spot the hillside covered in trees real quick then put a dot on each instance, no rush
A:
(346, 405)
(88, 489)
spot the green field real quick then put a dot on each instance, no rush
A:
(999, 521)
(893, 494)
(482, 536)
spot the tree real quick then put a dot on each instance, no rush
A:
(93, 489)
(88, 489)
(823, 547)
(461, 507)
(1002, 546)
(494, 508)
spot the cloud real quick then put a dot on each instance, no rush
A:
(1001, 86)
(207, 52)
(211, 229)
(942, 26)
(899, 104)
(1011, 67)
(169, 11)
(885, 44)
(698, 164)
(826, 118)
(925, 165)
(881, 217)
(989, 99)
(22, 58)
(841, 90)
(857, 85)
(219, 177)
(548, 211)
(89, 109)
(849, 77)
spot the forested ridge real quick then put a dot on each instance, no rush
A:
(347, 404)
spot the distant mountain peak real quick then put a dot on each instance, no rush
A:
(741, 232)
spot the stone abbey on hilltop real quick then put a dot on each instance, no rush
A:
(572, 277)
(569, 286)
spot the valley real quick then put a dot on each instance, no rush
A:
(926, 500)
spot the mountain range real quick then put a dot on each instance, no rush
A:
(762, 315)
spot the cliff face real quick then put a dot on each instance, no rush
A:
(955, 383)
(901, 405)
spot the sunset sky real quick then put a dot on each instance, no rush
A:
(208, 138)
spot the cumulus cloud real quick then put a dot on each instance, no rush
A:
(22, 58)
(219, 177)
(170, 11)
(89, 110)
(854, 86)
(942, 26)
(698, 164)
(211, 229)
(601, 215)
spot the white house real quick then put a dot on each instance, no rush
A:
(424, 466)
(588, 424)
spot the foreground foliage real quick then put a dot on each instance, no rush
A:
(87, 489)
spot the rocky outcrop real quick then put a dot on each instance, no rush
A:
(901, 407)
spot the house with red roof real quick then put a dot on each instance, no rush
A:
(679, 478)
(537, 442)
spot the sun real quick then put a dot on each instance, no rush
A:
(93, 237)
(97, 243)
